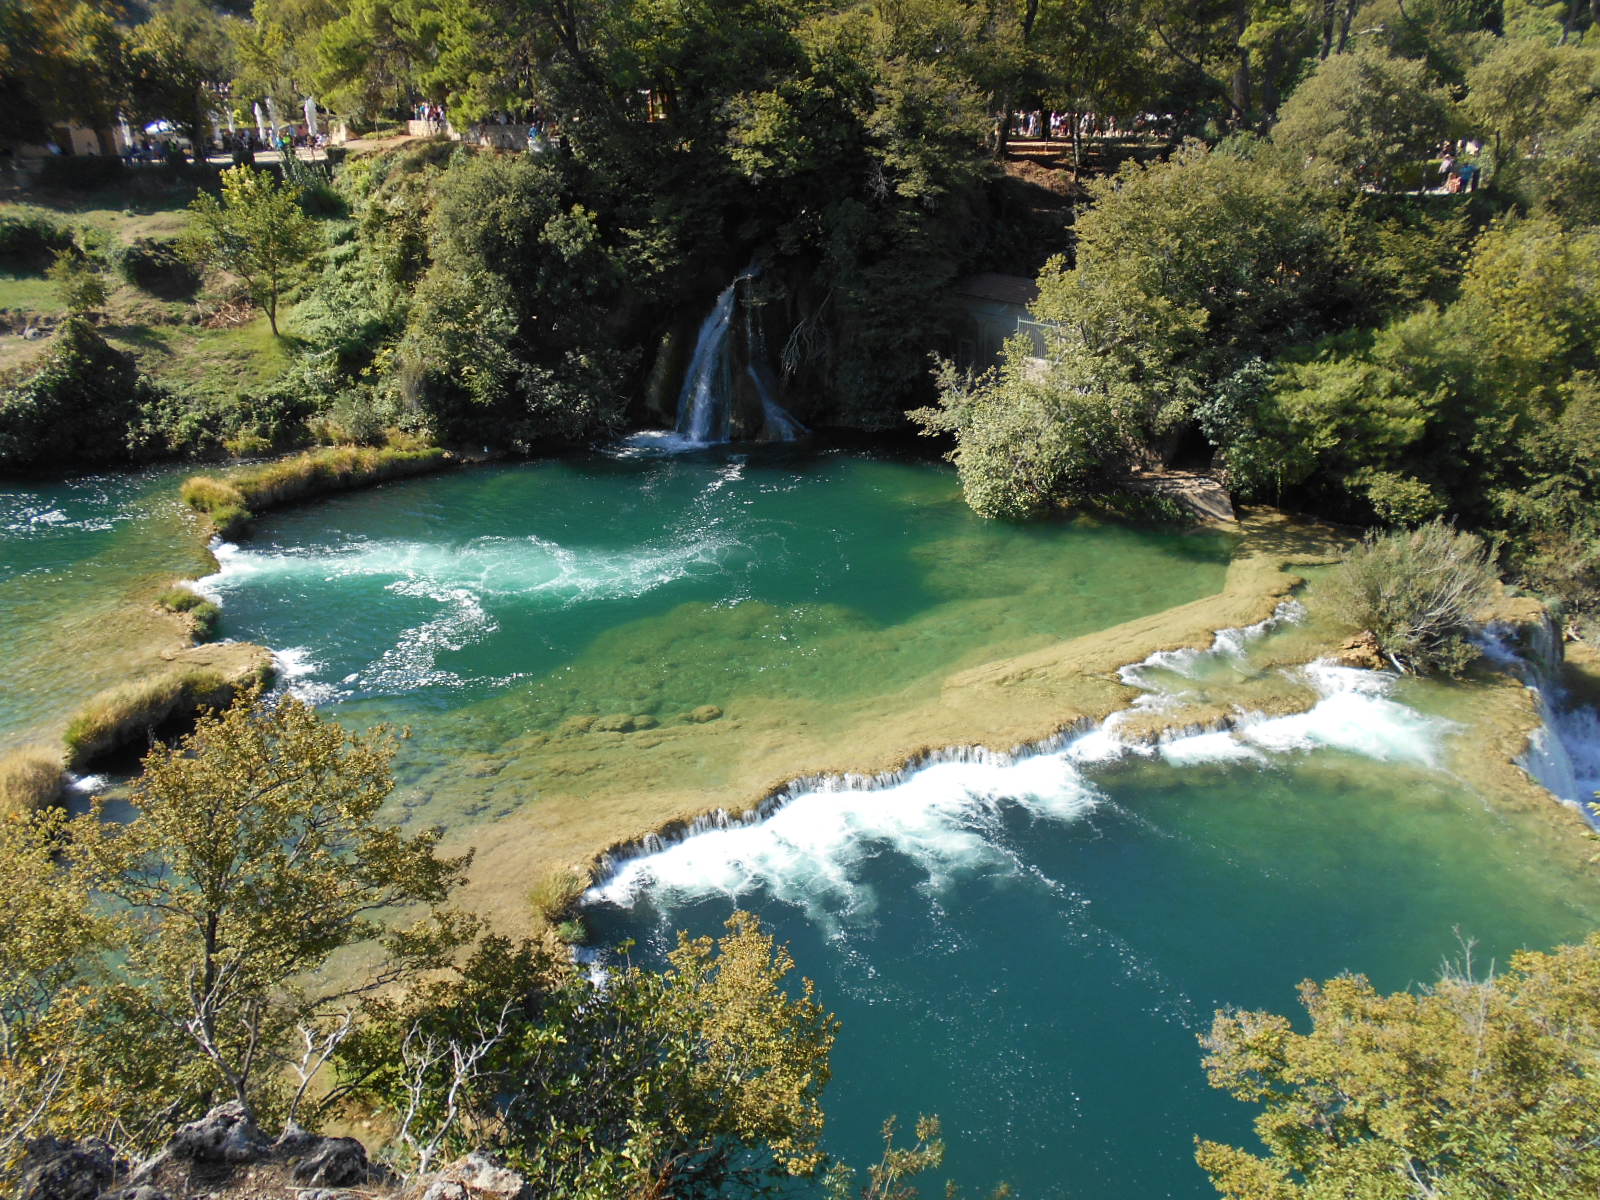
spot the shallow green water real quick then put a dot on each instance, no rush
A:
(71, 552)
(481, 605)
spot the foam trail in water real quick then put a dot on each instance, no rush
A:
(490, 566)
(806, 844)
(467, 582)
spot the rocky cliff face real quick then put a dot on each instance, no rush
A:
(225, 1156)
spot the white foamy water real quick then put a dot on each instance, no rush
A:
(487, 567)
(467, 583)
(807, 849)
(1564, 753)
(807, 846)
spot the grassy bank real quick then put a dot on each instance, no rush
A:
(29, 780)
(129, 715)
(233, 499)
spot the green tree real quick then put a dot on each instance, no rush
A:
(1469, 1088)
(178, 59)
(1186, 269)
(1530, 98)
(257, 231)
(59, 60)
(690, 1082)
(1032, 433)
(1365, 118)
(258, 854)
(80, 282)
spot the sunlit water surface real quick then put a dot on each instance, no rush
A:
(1027, 948)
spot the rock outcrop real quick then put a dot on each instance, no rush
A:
(226, 1156)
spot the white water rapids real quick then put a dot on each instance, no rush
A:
(804, 844)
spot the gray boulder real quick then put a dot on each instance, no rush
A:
(335, 1162)
(478, 1177)
(226, 1134)
(53, 1169)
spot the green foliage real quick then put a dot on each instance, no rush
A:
(29, 240)
(706, 1077)
(256, 856)
(1537, 101)
(256, 231)
(1470, 1088)
(155, 265)
(79, 281)
(57, 61)
(1418, 592)
(175, 57)
(1188, 268)
(74, 407)
(1033, 433)
(502, 328)
(1361, 118)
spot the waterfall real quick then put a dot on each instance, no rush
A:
(1563, 754)
(728, 390)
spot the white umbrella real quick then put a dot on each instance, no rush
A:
(261, 124)
(127, 132)
(272, 115)
(311, 116)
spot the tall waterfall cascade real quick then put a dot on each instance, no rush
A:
(729, 389)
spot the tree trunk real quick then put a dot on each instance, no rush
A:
(1240, 97)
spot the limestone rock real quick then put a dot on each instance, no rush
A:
(478, 1177)
(705, 713)
(335, 1162)
(53, 1169)
(1363, 651)
(226, 1134)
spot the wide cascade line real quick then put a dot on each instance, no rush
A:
(804, 844)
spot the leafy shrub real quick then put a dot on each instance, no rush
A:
(155, 266)
(29, 780)
(1418, 592)
(203, 614)
(75, 407)
(79, 282)
(30, 241)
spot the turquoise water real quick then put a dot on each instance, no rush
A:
(1027, 948)
(494, 604)
(72, 553)
(1031, 954)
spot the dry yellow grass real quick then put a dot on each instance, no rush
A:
(232, 500)
(130, 713)
(29, 780)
